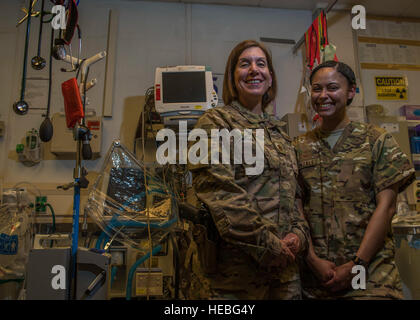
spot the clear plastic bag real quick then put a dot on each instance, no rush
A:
(14, 241)
(125, 207)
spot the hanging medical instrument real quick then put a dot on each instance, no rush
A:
(46, 129)
(38, 62)
(21, 107)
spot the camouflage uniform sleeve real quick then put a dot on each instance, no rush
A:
(391, 165)
(236, 220)
(300, 226)
(300, 188)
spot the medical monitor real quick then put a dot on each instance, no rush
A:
(184, 90)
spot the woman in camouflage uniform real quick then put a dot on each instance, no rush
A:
(352, 172)
(260, 228)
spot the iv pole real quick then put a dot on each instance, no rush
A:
(82, 135)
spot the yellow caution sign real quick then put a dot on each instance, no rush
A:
(391, 88)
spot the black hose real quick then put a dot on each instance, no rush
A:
(46, 129)
(25, 55)
(40, 29)
(50, 73)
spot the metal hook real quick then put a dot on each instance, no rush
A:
(33, 13)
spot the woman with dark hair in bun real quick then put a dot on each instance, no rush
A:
(352, 173)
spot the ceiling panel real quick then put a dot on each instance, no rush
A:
(251, 3)
(384, 7)
(296, 4)
(402, 8)
(413, 10)
(153, 0)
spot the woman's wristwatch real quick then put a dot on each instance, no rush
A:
(360, 262)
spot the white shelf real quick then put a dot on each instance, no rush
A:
(412, 123)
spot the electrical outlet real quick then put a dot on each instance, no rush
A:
(40, 204)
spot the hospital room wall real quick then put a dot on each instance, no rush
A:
(150, 34)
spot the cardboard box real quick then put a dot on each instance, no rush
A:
(410, 112)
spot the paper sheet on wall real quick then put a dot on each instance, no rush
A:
(400, 30)
(395, 54)
(391, 30)
(36, 94)
(417, 27)
(374, 28)
(409, 30)
(403, 54)
(373, 52)
(411, 54)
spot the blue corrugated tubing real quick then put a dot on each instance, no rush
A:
(134, 267)
(100, 240)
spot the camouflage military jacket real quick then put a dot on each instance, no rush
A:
(341, 188)
(251, 212)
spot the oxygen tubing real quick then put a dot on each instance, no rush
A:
(53, 216)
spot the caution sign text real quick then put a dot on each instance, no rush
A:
(391, 88)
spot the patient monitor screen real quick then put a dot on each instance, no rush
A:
(184, 87)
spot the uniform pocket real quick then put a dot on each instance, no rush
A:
(348, 179)
(354, 177)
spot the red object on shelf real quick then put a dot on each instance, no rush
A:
(73, 105)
